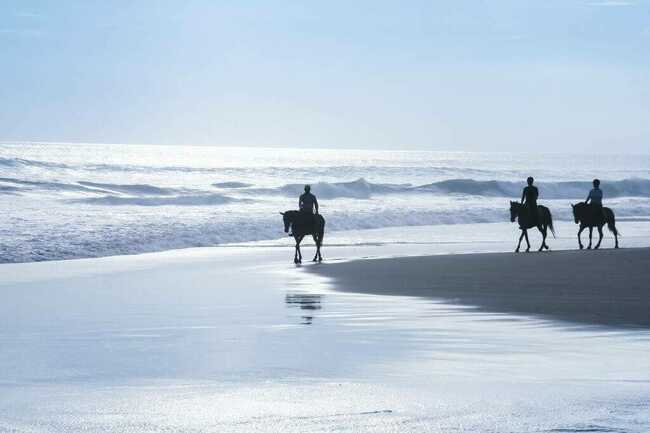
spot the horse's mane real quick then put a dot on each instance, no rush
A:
(580, 206)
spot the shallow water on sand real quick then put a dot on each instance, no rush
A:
(238, 340)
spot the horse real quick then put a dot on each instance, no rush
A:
(300, 228)
(583, 214)
(544, 222)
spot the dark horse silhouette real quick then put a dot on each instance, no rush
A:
(520, 213)
(300, 227)
(583, 214)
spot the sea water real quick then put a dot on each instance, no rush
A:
(238, 339)
(64, 201)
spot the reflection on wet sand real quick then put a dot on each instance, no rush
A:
(305, 301)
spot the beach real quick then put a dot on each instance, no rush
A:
(168, 170)
(608, 287)
(240, 339)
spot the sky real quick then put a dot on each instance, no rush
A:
(534, 76)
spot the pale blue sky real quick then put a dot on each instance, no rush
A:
(456, 75)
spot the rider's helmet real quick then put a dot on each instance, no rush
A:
(530, 180)
(307, 188)
(596, 183)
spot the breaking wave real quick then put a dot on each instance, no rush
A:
(180, 200)
(361, 188)
(231, 185)
(34, 185)
(135, 189)
(550, 190)
(21, 162)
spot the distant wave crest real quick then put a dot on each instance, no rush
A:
(20, 162)
(231, 185)
(136, 189)
(181, 200)
(552, 190)
(362, 189)
(359, 189)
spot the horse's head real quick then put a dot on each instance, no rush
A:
(577, 211)
(286, 217)
(514, 211)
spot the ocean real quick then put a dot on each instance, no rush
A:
(66, 201)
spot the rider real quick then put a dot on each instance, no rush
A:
(308, 204)
(529, 196)
(596, 198)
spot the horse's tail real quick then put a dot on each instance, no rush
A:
(321, 227)
(550, 222)
(611, 221)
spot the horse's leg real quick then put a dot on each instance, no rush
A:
(543, 231)
(320, 256)
(546, 236)
(615, 240)
(315, 237)
(298, 255)
(520, 238)
(600, 237)
(527, 241)
(582, 227)
(591, 232)
(320, 243)
(297, 248)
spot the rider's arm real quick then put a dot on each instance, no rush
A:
(588, 198)
(523, 195)
(316, 204)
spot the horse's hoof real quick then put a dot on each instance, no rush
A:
(596, 247)
(527, 250)
(616, 247)
(581, 247)
(589, 247)
(546, 246)
(320, 259)
(517, 250)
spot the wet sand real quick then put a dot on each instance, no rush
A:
(606, 287)
(241, 340)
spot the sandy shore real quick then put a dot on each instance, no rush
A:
(240, 340)
(609, 287)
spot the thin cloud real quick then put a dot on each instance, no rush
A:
(612, 3)
(21, 32)
(27, 14)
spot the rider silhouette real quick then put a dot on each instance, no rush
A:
(596, 198)
(529, 198)
(308, 204)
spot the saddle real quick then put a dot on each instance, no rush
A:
(307, 219)
(529, 217)
(597, 213)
